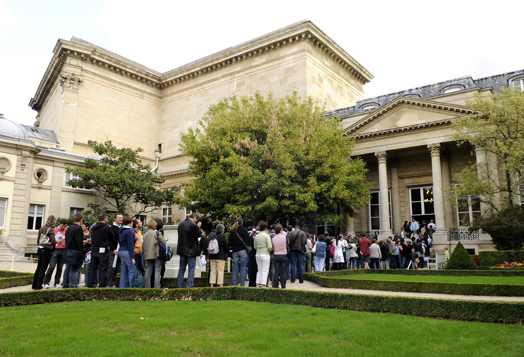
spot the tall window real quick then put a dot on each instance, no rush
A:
(519, 84)
(36, 217)
(422, 201)
(167, 213)
(75, 210)
(468, 209)
(3, 210)
(374, 211)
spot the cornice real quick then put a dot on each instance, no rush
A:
(403, 100)
(84, 51)
(405, 128)
(174, 173)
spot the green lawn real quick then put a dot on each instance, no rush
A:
(239, 328)
(505, 280)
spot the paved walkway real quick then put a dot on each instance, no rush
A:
(307, 286)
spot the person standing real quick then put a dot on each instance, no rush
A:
(309, 246)
(320, 254)
(126, 252)
(279, 243)
(238, 240)
(58, 258)
(76, 251)
(375, 254)
(364, 245)
(137, 224)
(44, 251)
(188, 249)
(217, 261)
(86, 230)
(392, 254)
(338, 256)
(102, 238)
(263, 247)
(113, 269)
(353, 254)
(297, 241)
(150, 250)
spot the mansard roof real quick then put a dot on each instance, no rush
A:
(431, 90)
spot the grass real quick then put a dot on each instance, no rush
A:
(504, 280)
(239, 328)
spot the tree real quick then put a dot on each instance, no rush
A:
(497, 129)
(278, 160)
(460, 259)
(506, 228)
(120, 179)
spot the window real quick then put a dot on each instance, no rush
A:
(75, 210)
(468, 209)
(167, 213)
(3, 210)
(452, 89)
(518, 84)
(36, 217)
(368, 108)
(70, 176)
(142, 219)
(422, 201)
(374, 211)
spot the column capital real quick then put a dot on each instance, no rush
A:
(70, 81)
(381, 156)
(435, 149)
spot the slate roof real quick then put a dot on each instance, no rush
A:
(431, 90)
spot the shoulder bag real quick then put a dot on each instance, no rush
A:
(248, 248)
(45, 241)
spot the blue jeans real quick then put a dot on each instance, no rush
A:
(65, 282)
(191, 263)
(57, 260)
(127, 275)
(360, 262)
(239, 266)
(73, 275)
(352, 263)
(319, 263)
(298, 263)
(281, 264)
(403, 265)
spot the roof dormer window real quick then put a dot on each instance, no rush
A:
(452, 89)
(368, 107)
(518, 84)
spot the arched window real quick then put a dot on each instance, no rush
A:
(518, 83)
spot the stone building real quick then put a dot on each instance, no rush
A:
(88, 92)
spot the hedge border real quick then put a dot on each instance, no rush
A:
(9, 279)
(441, 272)
(461, 310)
(417, 286)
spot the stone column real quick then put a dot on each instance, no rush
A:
(482, 167)
(395, 197)
(385, 229)
(438, 197)
(446, 182)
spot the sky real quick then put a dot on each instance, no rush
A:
(404, 44)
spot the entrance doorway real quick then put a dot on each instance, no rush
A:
(422, 206)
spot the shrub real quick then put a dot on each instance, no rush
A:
(497, 257)
(460, 259)
(9, 279)
(505, 227)
(480, 311)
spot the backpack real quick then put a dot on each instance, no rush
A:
(139, 279)
(165, 253)
(332, 250)
(213, 246)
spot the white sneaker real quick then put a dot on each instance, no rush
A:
(57, 286)
(46, 286)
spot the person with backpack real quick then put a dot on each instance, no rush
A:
(217, 250)
(150, 251)
(188, 249)
(46, 245)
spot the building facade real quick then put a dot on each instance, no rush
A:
(89, 93)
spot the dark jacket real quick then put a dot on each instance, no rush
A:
(235, 243)
(102, 236)
(51, 234)
(297, 241)
(127, 240)
(116, 234)
(223, 248)
(188, 234)
(74, 238)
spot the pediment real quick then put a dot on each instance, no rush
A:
(406, 113)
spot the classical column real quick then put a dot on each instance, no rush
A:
(446, 181)
(438, 197)
(385, 228)
(482, 170)
(395, 197)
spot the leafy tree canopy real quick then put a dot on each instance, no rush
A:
(497, 129)
(121, 179)
(278, 160)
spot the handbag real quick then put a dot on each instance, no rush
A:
(248, 248)
(139, 279)
(45, 241)
(314, 250)
(74, 257)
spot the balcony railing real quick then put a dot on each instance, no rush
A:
(462, 233)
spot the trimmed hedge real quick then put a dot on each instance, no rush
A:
(480, 311)
(441, 272)
(9, 279)
(419, 286)
(460, 259)
(497, 257)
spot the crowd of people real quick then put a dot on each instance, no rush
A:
(259, 255)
